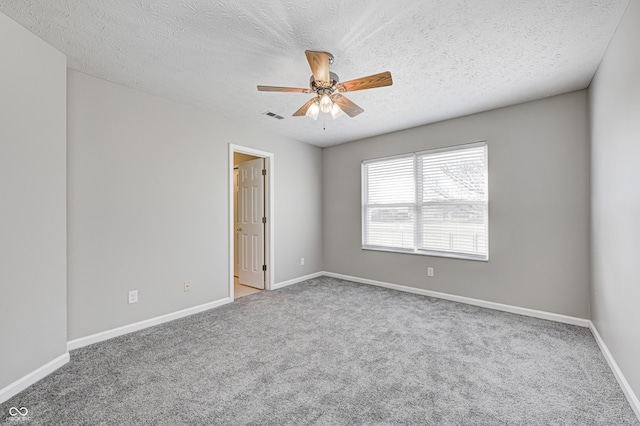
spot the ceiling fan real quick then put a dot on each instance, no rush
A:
(328, 89)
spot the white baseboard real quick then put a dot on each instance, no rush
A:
(626, 388)
(469, 301)
(48, 368)
(297, 280)
(126, 329)
(109, 334)
(26, 381)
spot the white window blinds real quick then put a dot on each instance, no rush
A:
(390, 203)
(431, 202)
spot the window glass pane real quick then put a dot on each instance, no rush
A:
(390, 227)
(454, 175)
(454, 227)
(390, 181)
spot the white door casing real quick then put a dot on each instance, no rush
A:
(250, 223)
(236, 224)
(269, 200)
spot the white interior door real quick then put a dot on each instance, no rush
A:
(251, 225)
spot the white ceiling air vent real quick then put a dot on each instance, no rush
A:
(273, 114)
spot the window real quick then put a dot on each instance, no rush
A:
(432, 202)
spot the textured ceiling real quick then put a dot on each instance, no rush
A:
(448, 57)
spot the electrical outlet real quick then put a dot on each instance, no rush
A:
(133, 296)
(429, 271)
(187, 286)
(302, 261)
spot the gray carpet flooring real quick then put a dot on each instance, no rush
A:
(332, 352)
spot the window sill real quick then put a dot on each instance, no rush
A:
(459, 256)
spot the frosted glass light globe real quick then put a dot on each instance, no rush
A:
(326, 103)
(336, 111)
(313, 111)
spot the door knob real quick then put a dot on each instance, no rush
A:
(239, 229)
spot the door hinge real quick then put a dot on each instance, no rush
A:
(264, 220)
(264, 172)
(264, 267)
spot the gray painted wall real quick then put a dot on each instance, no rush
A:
(147, 199)
(615, 178)
(538, 207)
(33, 316)
(148, 205)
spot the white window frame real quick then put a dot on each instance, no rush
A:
(417, 203)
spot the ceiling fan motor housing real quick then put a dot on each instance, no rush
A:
(318, 85)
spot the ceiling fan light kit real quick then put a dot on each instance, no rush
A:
(327, 88)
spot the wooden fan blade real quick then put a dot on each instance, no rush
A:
(319, 63)
(283, 89)
(370, 82)
(347, 106)
(303, 109)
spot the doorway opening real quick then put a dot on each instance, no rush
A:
(250, 220)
